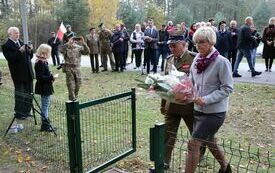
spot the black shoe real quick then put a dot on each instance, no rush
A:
(103, 70)
(236, 75)
(46, 126)
(228, 169)
(166, 166)
(255, 73)
(47, 129)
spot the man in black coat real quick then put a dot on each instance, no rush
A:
(117, 41)
(244, 44)
(224, 40)
(234, 37)
(19, 57)
(54, 43)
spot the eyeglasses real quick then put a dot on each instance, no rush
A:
(201, 42)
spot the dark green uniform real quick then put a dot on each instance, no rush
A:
(72, 57)
(175, 112)
(105, 48)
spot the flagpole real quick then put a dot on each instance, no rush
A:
(55, 39)
(24, 21)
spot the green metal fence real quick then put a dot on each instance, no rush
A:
(51, 149)
(242, 158)
(101, 131)
(90, 136)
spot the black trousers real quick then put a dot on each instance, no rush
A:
(268, 63)
(150, 57)
(94, 62)
(232, 54)
(138, 53)
(23, 98)
(55, 57)
(119, 61)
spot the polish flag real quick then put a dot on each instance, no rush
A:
(61, 31)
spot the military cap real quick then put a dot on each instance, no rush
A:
(68, 26)
(176, 35)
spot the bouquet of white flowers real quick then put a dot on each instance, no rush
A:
(175, 87)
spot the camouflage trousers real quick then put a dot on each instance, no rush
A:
(104, 56)
(73, 81)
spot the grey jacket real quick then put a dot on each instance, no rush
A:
(214, 84)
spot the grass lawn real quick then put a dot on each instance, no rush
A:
(250, 118)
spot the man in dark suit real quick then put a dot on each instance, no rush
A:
(19, 57)
(151, 38)
(54, 42)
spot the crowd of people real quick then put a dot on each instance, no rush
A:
(112, 46)
(209, 55)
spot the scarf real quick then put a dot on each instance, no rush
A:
(203, 62)
(39, 58)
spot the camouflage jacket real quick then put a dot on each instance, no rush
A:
(104, 39)
(72, 55)
(93, 43)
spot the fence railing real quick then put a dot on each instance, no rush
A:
(90, 136)
(49, 148)
(101, 131)
(242, 158)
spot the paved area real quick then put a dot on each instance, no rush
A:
(264, 78)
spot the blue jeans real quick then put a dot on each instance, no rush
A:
(45, 103)
(247, 54)
(253, 56)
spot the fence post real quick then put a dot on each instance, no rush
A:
(133, 105)
(74, 137)
(157, 147)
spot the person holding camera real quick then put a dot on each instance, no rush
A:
(72, 52)
(19, 57)
(44, 84)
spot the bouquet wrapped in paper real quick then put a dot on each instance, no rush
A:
(175, 87)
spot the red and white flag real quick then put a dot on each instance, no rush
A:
(61, 31)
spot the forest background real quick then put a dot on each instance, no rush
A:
(45, 16)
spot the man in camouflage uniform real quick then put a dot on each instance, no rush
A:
(182, 60)
(105, 47)
(72, 52)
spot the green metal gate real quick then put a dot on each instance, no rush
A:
(101, 132)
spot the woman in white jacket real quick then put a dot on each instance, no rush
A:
(137, 44)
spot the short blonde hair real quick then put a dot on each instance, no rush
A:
(272, 20)
(44, 49)
(207, 33)
(12, 29)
